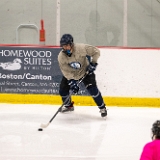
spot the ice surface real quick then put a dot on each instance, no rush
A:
(80, 135)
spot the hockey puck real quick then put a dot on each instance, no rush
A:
(40, 129)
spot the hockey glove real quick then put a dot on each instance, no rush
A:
(92, 67)
(73, 85)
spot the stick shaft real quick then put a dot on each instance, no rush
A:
(59, 109)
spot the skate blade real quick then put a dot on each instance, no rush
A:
(67, 112)
(105, 118)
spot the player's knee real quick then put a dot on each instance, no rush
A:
(93, 90)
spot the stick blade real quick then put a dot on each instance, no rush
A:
(45, 125)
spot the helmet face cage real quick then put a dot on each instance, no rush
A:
(66, 39)
(156, 129)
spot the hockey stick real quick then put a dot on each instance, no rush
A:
(46, 125)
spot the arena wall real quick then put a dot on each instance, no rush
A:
(125, 77)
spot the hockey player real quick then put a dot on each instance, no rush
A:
(151, 150)
(73, 63)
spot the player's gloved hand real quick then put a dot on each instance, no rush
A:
(92, 67)
(73, 85)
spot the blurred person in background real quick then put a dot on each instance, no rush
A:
(151, 150)
(101, 33)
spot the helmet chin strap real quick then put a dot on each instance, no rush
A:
(68, 52)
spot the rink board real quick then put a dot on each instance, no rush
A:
(78, 100)
(126, 76)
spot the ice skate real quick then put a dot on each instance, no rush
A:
(67, 108)
(103, 113)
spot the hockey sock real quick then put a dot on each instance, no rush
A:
(64, 95)
(95, 93)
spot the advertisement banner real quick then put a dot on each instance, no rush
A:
(30, 70)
